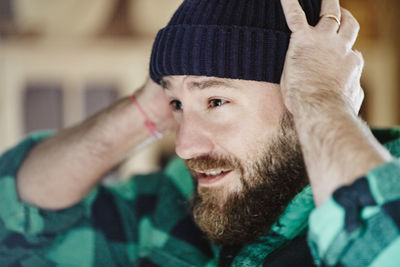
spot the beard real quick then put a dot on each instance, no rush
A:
(267, 184)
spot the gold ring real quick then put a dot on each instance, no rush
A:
(331, 16)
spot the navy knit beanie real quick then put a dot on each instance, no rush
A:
(237, 39)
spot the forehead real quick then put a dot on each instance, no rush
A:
(204, 82)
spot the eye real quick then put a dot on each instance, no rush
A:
(213, 103)
(176, 105)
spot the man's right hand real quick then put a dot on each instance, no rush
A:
(152, 99)
(63, 169)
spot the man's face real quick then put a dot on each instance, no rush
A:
(239, 143)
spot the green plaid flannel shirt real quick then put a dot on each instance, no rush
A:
(145, 222)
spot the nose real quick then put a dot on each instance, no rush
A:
(193, 137)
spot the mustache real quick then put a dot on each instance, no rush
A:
(207, 162)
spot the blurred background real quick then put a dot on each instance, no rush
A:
(61, 61)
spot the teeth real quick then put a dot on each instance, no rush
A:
(212, 173)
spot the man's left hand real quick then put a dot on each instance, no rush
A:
(321, 88)
(321, 68)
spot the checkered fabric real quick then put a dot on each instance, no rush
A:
(145, 222)
(360, 224)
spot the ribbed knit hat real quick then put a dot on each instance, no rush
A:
(238, 39)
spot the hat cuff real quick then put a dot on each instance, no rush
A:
(219, 51)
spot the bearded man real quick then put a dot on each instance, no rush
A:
(266, 128)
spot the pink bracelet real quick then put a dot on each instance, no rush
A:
(149, 125)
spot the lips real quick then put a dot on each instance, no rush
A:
(211, 176)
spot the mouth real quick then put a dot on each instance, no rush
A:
(211, 176)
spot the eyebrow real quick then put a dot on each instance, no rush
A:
(204, 84)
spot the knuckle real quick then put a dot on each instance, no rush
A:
(357, 57)
(295, 18)
(344, 13)
(355, 25)
(362, 93)
(351, 20)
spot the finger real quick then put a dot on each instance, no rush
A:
(359, 99)
(360, 91)
(349, 28)
(326, 23)
(361, 95)
(359, 59)
(294, 14)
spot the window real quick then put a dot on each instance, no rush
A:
(43, 106)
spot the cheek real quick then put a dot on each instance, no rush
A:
(269, 116)
(244, 133)
(272, 109)
(241, 136)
